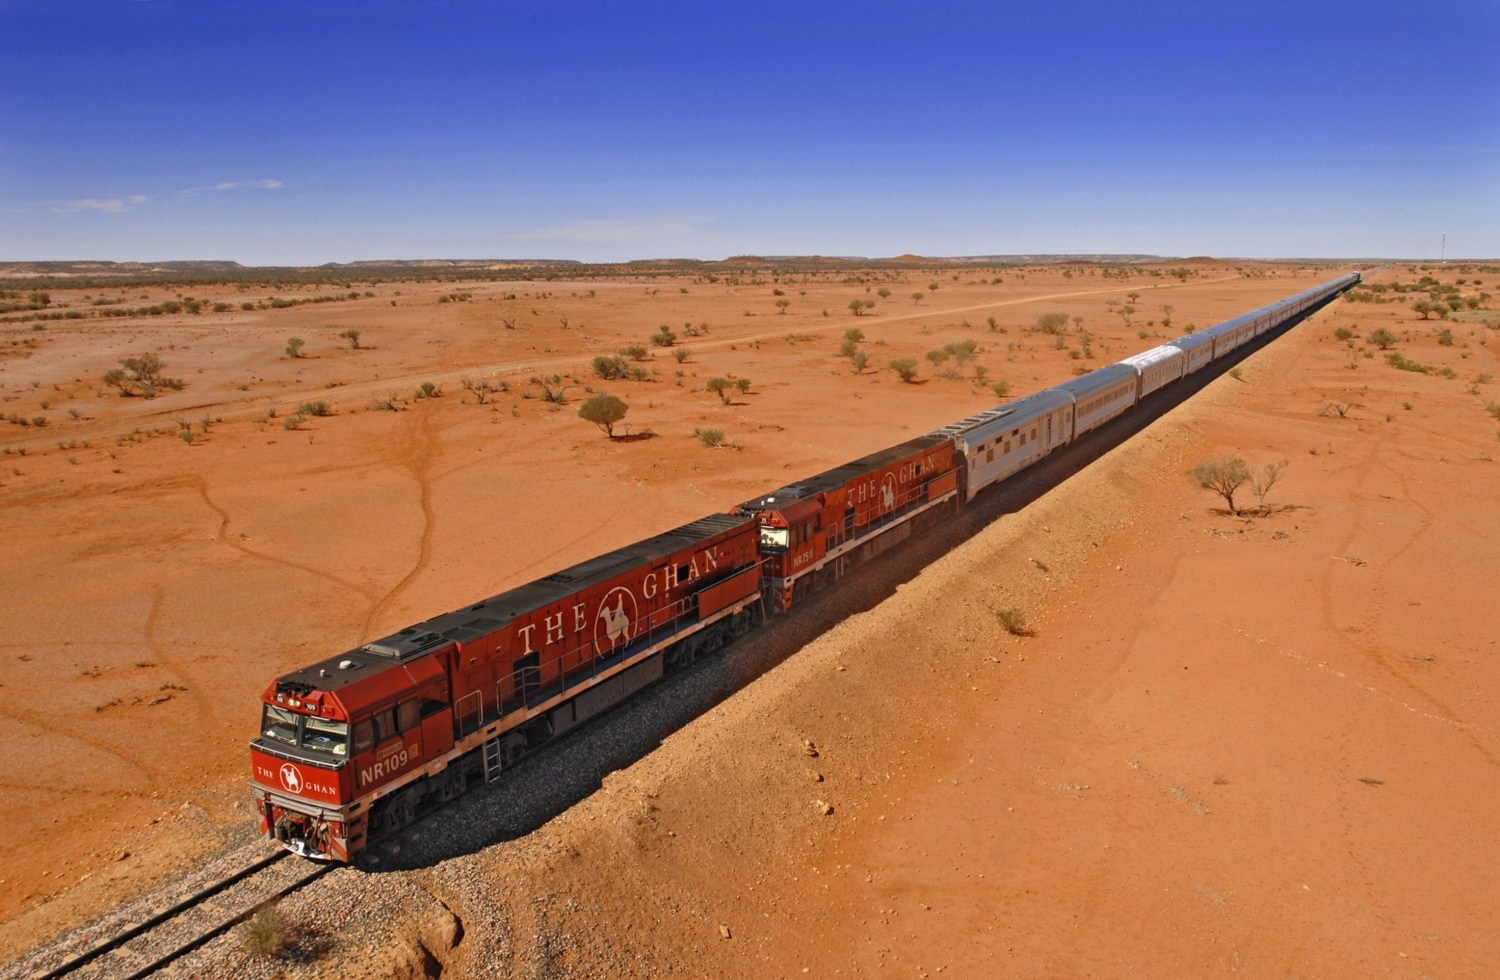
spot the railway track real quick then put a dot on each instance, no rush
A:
(160, 928)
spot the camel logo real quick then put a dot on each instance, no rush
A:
(291, 778)
(612, 623)
(888, 492)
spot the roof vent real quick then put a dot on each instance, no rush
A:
(347, 665)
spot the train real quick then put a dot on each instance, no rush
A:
(355, 747)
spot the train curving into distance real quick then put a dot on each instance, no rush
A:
(355, 747)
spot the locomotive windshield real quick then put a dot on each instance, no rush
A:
(304, 731)
(774, 540)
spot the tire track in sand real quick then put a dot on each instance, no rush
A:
(1365, 644)
(223, 537)
(419, 451)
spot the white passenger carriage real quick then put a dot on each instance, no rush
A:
(1100, 395)
(1010, 437)
(1155, 368)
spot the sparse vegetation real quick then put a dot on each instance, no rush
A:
(351, 335)
(316, 409)
(905, 368)
(604, 410)
(266, 933)
(1382, 338)
(720, 387)
(1013, 621)
(1224, 477)
(294, 347)
(141, 375)
(711, 438)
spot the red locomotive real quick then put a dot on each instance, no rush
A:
(812, 531)
(354, 747)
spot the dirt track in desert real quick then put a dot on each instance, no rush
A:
(1261, 744)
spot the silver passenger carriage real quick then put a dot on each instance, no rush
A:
(1100, 395)
(1156, 368)
(1010, 437)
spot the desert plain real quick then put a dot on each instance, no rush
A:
(1261, 743)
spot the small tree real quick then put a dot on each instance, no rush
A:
(782, 304)
(481, 388)
(604, 410)
(859, 359)
(1166, 316)
(916, 297)
(743, 384)
(1224, 477)
(351, 335)
(720, 387)
(906, 368)
(143, 375)
(1262, 482)
(294, 347)
(1382, 338)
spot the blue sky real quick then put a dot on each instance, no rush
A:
(325, 130)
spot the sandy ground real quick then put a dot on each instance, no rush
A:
(1263, 745)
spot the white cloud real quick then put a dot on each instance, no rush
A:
(99, 205)
(238, 185)
(611, 231)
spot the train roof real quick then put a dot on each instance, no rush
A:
(1087, 384)
(1188, 343)
(465, 624)
(1010, 414)
(1155, 355)
(840, 475)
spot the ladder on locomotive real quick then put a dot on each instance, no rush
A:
(494, 760)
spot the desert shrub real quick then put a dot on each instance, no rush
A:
(318, 409)
(609, 368)
(1000, 388)
(293, 422)
(1013, 621)
(859, 359)
(428, 390)
(635, 352)
(712, 438)
(720, 387)
(604, 410)
(905, 368)
(266, 933)
(1051, 322)
(294, 347)
(681, 354)
(351, 335)
(1343, 333)
(1401, 362)
(664, 337)
(1382, 338)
